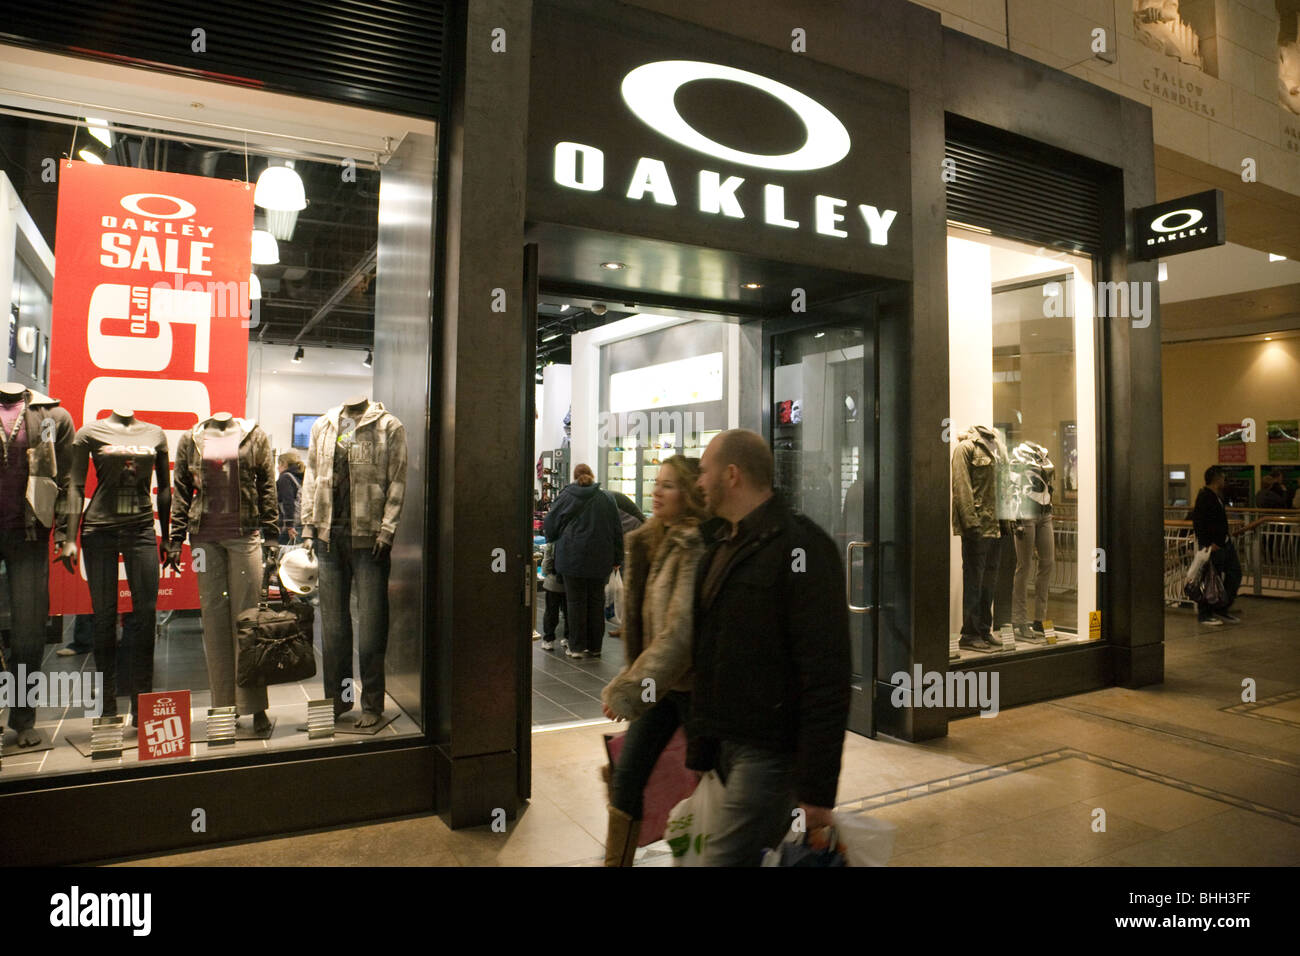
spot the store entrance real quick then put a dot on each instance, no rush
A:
(622, 387)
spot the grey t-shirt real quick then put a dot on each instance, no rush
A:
(125, 457)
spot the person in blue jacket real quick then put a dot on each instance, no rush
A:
(584, 524)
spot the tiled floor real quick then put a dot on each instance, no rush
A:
(1178, 774)
(567, 691)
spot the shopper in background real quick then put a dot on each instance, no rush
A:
(588, 536)
(287, 488)
(1272, 495)
(1210, 522)
(659, 567)
(770, 699)
(631, 517)
(553, 587)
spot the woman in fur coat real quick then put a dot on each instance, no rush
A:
(653, 689)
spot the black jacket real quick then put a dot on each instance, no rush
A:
(771, 649)
(585, 526)
(1209, 519)
(1274, 497)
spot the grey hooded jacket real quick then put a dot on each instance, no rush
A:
(377, 476)
(49, 467)
(979, 483)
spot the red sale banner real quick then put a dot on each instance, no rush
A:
(164, 725)
(150, 314)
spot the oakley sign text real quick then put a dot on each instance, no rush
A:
(1179, 225)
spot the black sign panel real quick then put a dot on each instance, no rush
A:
(650, 127)
(1179, 225)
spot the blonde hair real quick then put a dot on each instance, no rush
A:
(687, 471)
(291, 460)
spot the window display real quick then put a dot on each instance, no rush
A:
(1022, 398)
(154, 481)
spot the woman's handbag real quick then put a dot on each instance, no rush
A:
(275, 645)
(670, 783)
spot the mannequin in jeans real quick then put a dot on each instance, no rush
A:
(224, 466)
(128, 455)
(359, 445)
(28, 423)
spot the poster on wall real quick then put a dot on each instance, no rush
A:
(1239, 490)
(1070, 460)
(150, 314)
(1284, 440)
(1231, 448)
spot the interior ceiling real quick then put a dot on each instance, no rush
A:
(333, 234)
(1257, 217)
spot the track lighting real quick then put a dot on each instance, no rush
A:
(297, 356)
(369, 360)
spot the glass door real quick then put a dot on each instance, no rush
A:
(822, 383)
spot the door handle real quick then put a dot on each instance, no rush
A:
(848, 576)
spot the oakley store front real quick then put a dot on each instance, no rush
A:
(885, 260)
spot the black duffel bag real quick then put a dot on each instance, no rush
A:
(275, 645)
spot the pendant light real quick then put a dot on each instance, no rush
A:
(369, 360)
(266, 251)
(254, 287)
(98, 128)
(280, 192)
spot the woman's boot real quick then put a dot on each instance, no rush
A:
(620, 838)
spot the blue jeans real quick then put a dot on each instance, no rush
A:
(647, 736)
(139, 550)
(979, 571)
(27, 564)
(342, 567)
(757, 806)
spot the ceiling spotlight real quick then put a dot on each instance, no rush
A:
(1163, 271)
(551, 338)
(254, 287)
(369, 360)
(90, 157)
(1274, 257)
(565, 307)
(297, 356)
(99, 129)
(613, 266)
(818, 335)
(1268, 338)
(266, 251)
(751, 285)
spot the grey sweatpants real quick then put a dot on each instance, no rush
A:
(230, 582)
(1037, 537)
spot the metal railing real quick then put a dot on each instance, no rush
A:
(1268, 547)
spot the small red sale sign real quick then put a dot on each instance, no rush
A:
(165, 725)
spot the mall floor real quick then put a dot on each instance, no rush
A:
(1185, 772)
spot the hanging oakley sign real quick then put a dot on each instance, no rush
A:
(648, 91)
(1179, 225)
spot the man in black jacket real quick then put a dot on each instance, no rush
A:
(1210, 522)
(771, 656)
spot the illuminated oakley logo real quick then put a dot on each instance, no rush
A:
(649, 91)
(184, 210)
(1160, 223)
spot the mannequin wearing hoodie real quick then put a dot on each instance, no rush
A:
(1032, 473)
(128, 455)
(979, 464)
(351, 499)
(35, 464)
(226, 502)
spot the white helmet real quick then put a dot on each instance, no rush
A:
(299, 571)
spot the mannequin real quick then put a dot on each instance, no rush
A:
(226, 503)
(35, 461)
(128, 455)
(978, 489)
(352, 495)
(1031, 476)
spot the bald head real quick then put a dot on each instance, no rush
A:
(736, 473)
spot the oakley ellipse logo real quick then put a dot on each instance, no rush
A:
(649, 91)
(184, 210)
(1161, 223)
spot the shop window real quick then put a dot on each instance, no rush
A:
(211, 402)
(1022, 434)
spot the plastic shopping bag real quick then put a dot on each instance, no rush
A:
(692, 820)
(855, 840)
(1198, 565)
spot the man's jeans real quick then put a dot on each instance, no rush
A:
(139, 550)
(1227, 563)
(757, 805)
(1037, 537)
(230, 582)
(27, 564)
(647, 736)
(979, 569)
(342, 566)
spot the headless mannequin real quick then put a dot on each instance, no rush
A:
(223, 421)
(12, 394)
(354, 407)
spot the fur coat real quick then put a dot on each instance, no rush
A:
(658, 626)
